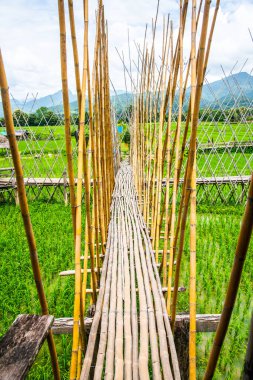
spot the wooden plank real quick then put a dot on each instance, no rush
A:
(200, 181)
(21, 344)
(216, 180)
(205, 323)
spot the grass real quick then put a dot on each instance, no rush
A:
(52, 226)
(217, 232)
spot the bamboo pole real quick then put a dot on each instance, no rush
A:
(75, 52)
(82, 167)
(202, 57)
(192, 291)
(234, 282)
(25, 211)
(177, 137)
(168, 157)
(66, 106)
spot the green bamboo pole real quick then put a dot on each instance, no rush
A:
(25, 211)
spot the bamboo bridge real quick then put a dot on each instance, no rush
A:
(128, 257)
(135, 328)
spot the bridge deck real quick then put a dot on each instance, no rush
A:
(135, 339)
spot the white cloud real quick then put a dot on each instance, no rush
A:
(232, 42)
(29, 39)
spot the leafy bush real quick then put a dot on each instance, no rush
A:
(127, 137)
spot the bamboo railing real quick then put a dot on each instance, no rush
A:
(158, 146)
(96, 160)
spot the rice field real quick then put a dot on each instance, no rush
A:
(217, 234)
(44, 153)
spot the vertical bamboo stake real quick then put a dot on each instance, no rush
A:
(177, 137)
(75, 52)
(192, 329)
(66, 107)
(234, 282)
(168, 158)
(201, 68)
(25, 211)
(82, 166)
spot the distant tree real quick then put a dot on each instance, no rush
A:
(33, 120)
(20, 118)
(126, 114)
(45, 116)
(126, 137)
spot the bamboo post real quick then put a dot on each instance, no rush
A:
(25, 211)
(177, 137)
(66, 107)
(234, 282)
(192, 291)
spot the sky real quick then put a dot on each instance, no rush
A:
(29, 39)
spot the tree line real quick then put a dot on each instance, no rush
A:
(43, 116)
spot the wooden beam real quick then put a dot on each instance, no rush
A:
(205, 323)
(21, 344)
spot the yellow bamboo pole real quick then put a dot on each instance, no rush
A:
(75, 52)
(25, 211)
(168, 158)
(202, 57)
(177, 137)
(192, 290)
(67, 114)
(82, 167)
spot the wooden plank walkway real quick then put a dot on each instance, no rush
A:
(120, 346)
(21, 344)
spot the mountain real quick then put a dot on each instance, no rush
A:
(233, 91)
(31, 105)
(234, 86)
(119, 102)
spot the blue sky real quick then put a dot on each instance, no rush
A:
(29, 38)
